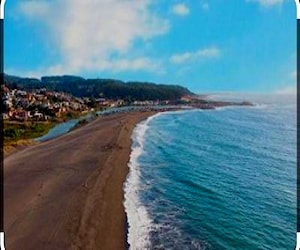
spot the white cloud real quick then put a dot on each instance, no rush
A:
(205, 53)
(96, 35)
(267, 3)
(180, 9)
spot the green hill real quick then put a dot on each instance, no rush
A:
(109, 88)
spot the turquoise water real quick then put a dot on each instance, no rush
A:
(217, 179)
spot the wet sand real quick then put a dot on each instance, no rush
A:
(67, 193)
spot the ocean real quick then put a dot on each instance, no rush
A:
(214, 179)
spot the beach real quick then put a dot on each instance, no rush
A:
(67, 193)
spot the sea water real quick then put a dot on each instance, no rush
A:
(214, 179)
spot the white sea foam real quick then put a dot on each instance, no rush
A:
(260, 106)
(254, 106)
(222, 108)
(139, 222)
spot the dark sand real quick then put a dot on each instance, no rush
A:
(67, 193)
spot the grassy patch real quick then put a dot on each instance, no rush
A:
(10, 146)
(15, 131)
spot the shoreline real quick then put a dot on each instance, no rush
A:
(68, 191)
(17, 145)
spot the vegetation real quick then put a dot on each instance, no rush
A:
(108, 88)
(15, 131)
(69, 115)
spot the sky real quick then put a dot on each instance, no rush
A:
(205, 45)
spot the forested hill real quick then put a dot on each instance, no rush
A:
(108, 88)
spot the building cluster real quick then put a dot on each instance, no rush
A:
(42, 104)
(38, 105)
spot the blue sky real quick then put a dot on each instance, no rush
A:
(205, 45)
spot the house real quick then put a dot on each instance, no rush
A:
(21, 115)
(37, 115)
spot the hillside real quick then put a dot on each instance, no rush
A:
(109, 88)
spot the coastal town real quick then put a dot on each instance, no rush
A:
(28, 114)
(43, 105)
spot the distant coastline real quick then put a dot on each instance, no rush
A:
(33, 106)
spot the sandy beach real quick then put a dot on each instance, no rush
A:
(67, 193)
